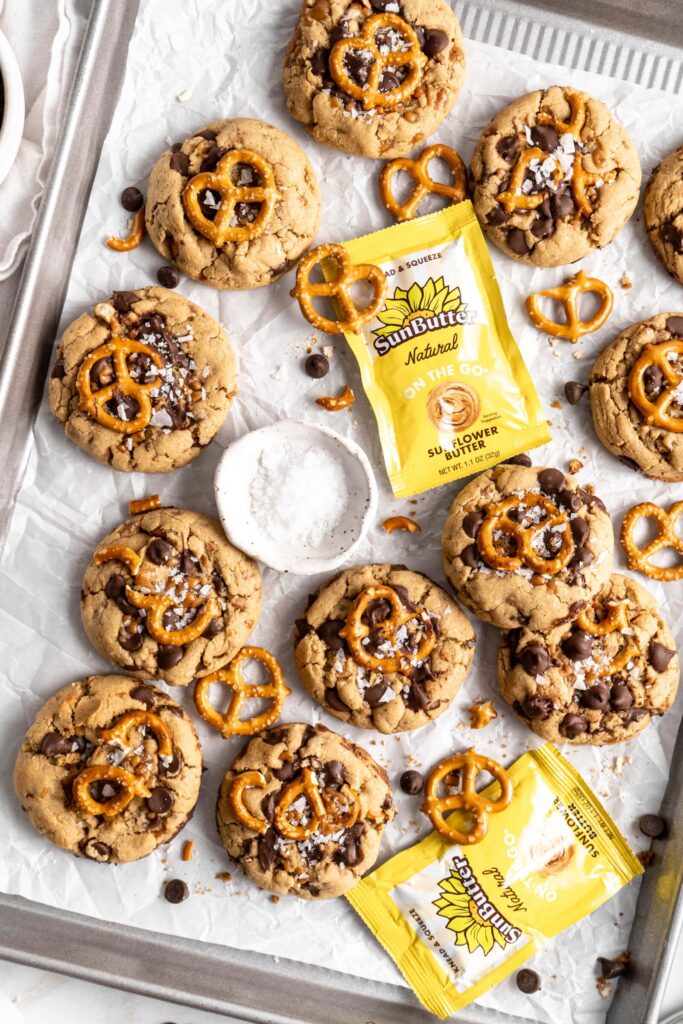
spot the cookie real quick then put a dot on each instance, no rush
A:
(663, 212)
(144, 382)
(69, 774)
(362, 692)
(330, 70)
(166, 596)
(305, 852)
(570, 684)
(235, 205)
(522, 545)
(554, 176)
(636, 396)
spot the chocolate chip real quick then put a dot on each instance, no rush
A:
(538, 707)
(552, 481)
(497, 216)
(592, 500)
(516, 240)
(582, 557)
(610, 969)
(123, 301)
(219, 584)
(408, 604)
(574, 391)
(472, 522)
(317, 365)
(53, 745)
(168, 277)
(578, 645)
(176, 891)
(620, 697)
(335, 774)
(206, 133)
(171, 768)
(130, 641)
(333, 699)
(266, 849)
(319, 62)
(629, 463)
(653, 826)
(286, 773)
(209, 203)
(507, 147)
(145, 694)
(179, 162)
(329, 633)
(124, 407)
(545, 137)
(161, 801)
(358, 63)
(659, 656)
(580, 530)
(519, 460)
(653, 378)
(470, 556)
(417, 699)
(376, 612)
(211, 158)
(168, 656)
(132, 199)
(159, 551)
(188, 564)
(543, 227)
(573, 726)
(569, 499)
(268, 806)
(411, 782)
(673, 236)
(534, 659)
(373, 695)
(674, 325)
(215, 627)
(528, 981)
(435, 41)
(58, 370)
(561, 205)
(350, 852)
(96, 850)
(596, 697)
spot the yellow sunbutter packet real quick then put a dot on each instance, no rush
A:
(457, 920)
(443, 373)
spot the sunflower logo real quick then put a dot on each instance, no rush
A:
(433, 298)
(464, 919)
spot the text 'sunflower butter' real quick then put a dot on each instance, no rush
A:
(459, 919)
(447, 383)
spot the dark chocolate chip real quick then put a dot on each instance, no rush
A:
(96, 850)
(317, 365)
(159, 551)
(528, 981)
(376, 612)
(132, 199)
(435, 41)
(582, 556)
(358, 63)
(335, 774)
(516, 240)
(538, 707)
(303, 628)
(561, 205)
(411, 782)
(472, 522)
(329, 633)
(266, 849)
(168, 277)
(206, 133)
(161, 801)
(519, 460)
(176, 891)
(545, 137)
(534, 659)
(573, 726)
(58, 370)
(653, 826)
(596, 697)
(592, 500)
(507, 147)
(350, 852)
(334, 700)
(268, 806)
(469, 556)
(130, 641)
(179, 162)
(552, 481)
(319, 62)
(634, 715)
(210, 160)
(53, 745)
(417, 699)
(653, 379)
(543, 227)
(673, 236)
(286, 773)
(172, 767)
(574, 391)
(373, 695)
(580, 530)
(168, 656)
(674, 325)
(578, 645)
(497, 216)
(610, 969)
(188, 564)
(145, 694)
(215, 627)
(629, 463)
(659, 656)
(620, 697)
(569, 499)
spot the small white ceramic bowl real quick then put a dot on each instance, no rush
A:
(12, 123)
(283, 533)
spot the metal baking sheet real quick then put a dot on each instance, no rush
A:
(250, 986)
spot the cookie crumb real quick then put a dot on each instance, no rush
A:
(626, 283)
(575, 465)
(603, 986)
(646, 857)
(188, 850)
(224, 876)
(556, 404)
(274, 898)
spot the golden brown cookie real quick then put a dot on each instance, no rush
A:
(663, 212)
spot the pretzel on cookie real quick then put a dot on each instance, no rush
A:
(498, 521)
(614, 621)
(356, 631)
(228, 722)
(247, 780)
(156, 606)
(131, 786)
(339, 289)
(656, 413)
(639, 558)
(119, 553)
(513, 198)
(577, 116)
(419, 171)
(304, 785)
(370, 94)
(95, 402)
(120, 731)
(469, 765)
(568, 295)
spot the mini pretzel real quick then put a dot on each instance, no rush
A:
(120, 731)
(577, 116)
(568, 296)
(401, 523)
(615, 621)
(119, 349)
(144, 504)
(497, 519)
(369, 94)
(229, 723)
(425, 184)
(470, 765)
(221, 230)
(335, 403)
(304, 785)
(582, 180)
(355, 631)
(246, 780)
(157, 604)
(513, 198)
(342, 808)
(656, 413)
(340, 289)
(132, 787)
(137, 233)
(639, 558)
(119, 553)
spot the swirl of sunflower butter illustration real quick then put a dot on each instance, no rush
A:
(452, 406)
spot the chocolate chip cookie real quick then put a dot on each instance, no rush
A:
(144, 382)
(166, 596)
(404, 651)
(110, 769)
(235, 205)
(663, 211)
(554, 176)
(302, 811)
(636, 395)
(373, 77)
(597, 677)
(523, 544)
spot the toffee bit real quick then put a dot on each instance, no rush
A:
(333, 403)
(481, 714)
(144, 504)
(401, 523)
(135, 236)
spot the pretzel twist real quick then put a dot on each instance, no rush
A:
(369, 94)
(132, 786)
(655, 413)
(355, 631)
(497, 519)
(615, 621)
(577, 116)
(513, 198)
(568, 295)
(247, 780)
(639, 558)
(221, 230)
(120, 731)
(229, 723)
(119, 553)
(118, 349)
(469, 764)
(419, 171)
(339, 289)
(157, 605)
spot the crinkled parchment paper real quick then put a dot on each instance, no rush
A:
(228, 58)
